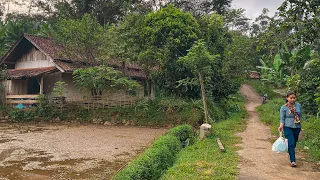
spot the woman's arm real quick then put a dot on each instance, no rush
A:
(282, 118)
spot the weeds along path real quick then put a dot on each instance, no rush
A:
(258, 162)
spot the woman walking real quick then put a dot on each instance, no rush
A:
(290, 115)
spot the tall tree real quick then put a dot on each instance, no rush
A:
(217, 6)
(303, 18)
(261, 23)
(105, 11)
(200, 61)
(236, 20)
(200, 7)
(84, 39)
(167, 35)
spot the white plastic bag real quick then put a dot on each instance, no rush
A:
(280, 145)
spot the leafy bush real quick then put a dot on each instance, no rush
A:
(184, 133)
(153, 163)
(310, 81)
(317, 96)
(18, 115)
(44, 109)
(263, 88)
(311, 128)
(4, 110)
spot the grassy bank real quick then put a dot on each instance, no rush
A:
(159, 112)
(203, 160)
(270, 114)
(262, 88)
(153, 162)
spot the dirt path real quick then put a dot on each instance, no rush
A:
(41, 152)
(258, 162)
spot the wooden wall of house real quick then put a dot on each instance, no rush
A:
(33, 59)
(73, 93)
(16, 87)
(49, 81)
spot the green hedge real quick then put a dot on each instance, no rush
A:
(183, 133)
(203, 159)
(155, 161)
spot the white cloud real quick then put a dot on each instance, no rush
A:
(254, 7)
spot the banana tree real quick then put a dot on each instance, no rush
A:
(295, 59)
(264, 70)
(275, 74)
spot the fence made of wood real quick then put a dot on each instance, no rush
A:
(22, 99)
(92, 102)
(100, 102)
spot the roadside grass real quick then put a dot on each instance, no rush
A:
(203, 160)
(262, 88)
(270, 114)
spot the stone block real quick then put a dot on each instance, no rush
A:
(204, 130)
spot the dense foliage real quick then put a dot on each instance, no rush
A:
(155, 34)
(102, 78)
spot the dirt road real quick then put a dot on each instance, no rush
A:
(36, 152)
(258, 162)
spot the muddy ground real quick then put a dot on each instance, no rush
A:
(32, 152)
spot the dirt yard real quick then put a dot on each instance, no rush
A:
(258, 162)
(35, 152)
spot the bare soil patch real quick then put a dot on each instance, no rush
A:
(69, 151)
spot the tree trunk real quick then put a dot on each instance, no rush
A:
(152, 90)
(203, 94)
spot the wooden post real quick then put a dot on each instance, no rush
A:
(203, 93)
(220, 145)
(41, 85)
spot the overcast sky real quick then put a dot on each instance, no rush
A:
(254, 7)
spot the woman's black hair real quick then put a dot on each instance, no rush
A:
(289, 94)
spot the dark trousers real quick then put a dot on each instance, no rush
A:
(292, 134)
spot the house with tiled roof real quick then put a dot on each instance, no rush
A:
(35, 64)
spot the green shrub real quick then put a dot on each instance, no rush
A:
(203, 160)
(311, 128)
(263, 88)
(154, 162)
(25, 115)
(4, 110)
(44, 109)
(183, 133)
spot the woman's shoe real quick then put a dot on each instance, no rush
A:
(293, 164)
